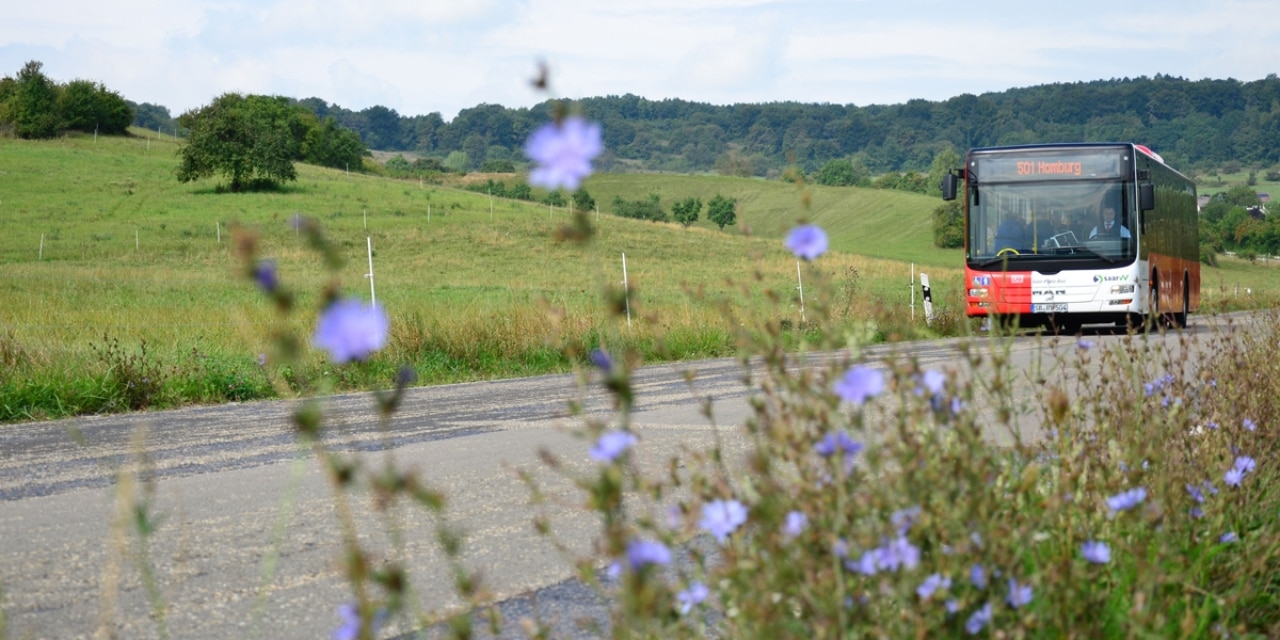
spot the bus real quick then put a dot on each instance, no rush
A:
(1064, 235)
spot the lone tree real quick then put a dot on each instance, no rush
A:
(252, 140)
(722, 211)
(686, 211)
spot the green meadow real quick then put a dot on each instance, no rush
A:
(121, 288)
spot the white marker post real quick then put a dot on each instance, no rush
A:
(912, 286)
(928, 298)
(372, 294)
(626, 295)
(218, 225)
(801, 288)
(41, 257)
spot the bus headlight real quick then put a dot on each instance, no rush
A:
(977, 293)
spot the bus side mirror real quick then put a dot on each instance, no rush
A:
(1146, 197)
(950, 183)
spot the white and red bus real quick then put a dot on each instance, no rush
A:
(1065, 235)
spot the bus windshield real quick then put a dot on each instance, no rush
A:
(1066, 220)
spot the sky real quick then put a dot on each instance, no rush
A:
(424, 56)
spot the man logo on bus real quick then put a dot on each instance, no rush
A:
(1120, 278)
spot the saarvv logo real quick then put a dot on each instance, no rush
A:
(1119, 278)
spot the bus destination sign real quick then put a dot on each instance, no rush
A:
(1085, 164)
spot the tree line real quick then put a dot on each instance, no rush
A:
(34, 106)
(1193, 124)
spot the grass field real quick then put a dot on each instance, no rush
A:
(112, 273)
(101, 246)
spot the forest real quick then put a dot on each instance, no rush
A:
(1193, 124)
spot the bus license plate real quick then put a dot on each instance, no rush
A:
(1049, 308)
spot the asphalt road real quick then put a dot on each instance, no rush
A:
(247, 547)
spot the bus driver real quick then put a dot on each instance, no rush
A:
(1109, 227)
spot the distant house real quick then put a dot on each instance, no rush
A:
(1264, 197)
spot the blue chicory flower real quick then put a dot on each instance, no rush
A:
(897, 552)
(1126, 500)
(794, 524)
(978, 620)
(562, 152)
(722, 517)
(641, 553)
(611, 445)
(1250, 424)
(694, 595)
(932, 584)
(1228, 537)
(350, 330)
(264, 273)
(1084, 344)
(978, 576)
(1233, 477)
(351, 622)
(1019, 594)
(1096, 552)
(807, 241)
(601, 359)
(859, 384)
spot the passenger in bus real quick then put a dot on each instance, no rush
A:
(1012, 233)
(1109, 227)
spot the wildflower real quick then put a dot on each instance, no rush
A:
(1019, 594)
(262, 359)
(795, 524)
(1228, 537)
(838, 441)
(932, 381)
(860, 384)
(1096, 552)
(600, 358)
(898, 552)
(265, 275)
(1126, 500)
(953, 606)
(611, 445)
(1245, 464)
(1212, 426)
(932, 584)
(1196, 512)
(1250, 424)
(1233, 477)
(563, 152)
(694, 595)
(978, 620)
(646, 552)
(722, 517)
(867, 564)
(904, 518)
(807, 241)
(349, 330)
(1084, 344)
(978, 576)
(351, 623)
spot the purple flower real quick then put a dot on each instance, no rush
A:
(646, 552)
(1019, 594)
(978, 576)
(1096, 552)
(794, 524)
(722, 517)
(953, 606)
(349, 330)
(1126, 500)
(563, 152)
(902, 519)
(859, 384)
(265, 275)
(867, 564)
(262, 359)
(1245, 464)
(932, 382)
(600, 358)
(1250, 424)
(807, 241)
(1196, 512)
(897, 552)
(611, 445)
(1084, 344)
(1228, 537)
(694, 595)
(837, 442)
(1233, 477)
(352, 624)
(931, 584)
(978, 620)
